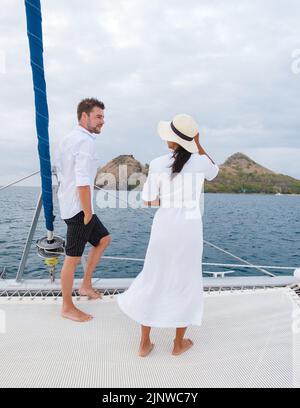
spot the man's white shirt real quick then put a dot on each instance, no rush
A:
(76, 164)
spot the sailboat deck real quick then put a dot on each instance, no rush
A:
(248, 339)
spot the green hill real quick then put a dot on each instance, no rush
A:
(240, 174)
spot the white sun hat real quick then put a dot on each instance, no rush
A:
(182, 130)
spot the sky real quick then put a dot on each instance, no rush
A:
(234, 65)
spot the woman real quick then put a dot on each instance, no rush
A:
(169, 290)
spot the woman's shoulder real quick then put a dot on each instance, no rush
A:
(201, 159)
(159, 162)
(205, 165)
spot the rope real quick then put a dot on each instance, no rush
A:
(210, 264)
(121, 258)
(238, 258)
(251, 266)
(18, 181)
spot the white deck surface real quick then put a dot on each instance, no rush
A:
(248, 339)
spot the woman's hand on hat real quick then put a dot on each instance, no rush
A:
(200, 148)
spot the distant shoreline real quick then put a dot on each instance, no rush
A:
(208, 192)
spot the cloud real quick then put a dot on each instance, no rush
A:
(228, 63)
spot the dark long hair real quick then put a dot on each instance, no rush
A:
(181, 156)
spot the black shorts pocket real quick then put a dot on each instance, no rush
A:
(90, 221)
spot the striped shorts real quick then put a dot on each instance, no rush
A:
(79, 234)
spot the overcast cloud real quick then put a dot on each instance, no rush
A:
(228, 63)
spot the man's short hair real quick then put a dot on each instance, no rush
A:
(87, 105)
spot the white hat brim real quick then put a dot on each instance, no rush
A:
(167, 134)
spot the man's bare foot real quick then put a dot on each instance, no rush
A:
(75, 314)
(180, 348)
(90, 293)
(145, 349)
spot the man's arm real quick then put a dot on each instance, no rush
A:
(85, 200)
(200, 148)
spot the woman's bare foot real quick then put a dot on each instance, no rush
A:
(75, 314)
(145, 348)
(90, 293)
(181, 347)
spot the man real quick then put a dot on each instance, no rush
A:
(76, 170)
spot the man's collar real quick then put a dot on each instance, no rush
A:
(82, 129)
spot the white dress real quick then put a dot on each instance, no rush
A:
(168, 292)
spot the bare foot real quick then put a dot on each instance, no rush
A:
(90, 293)
(76, 315)
(182, 347)
(145, 349)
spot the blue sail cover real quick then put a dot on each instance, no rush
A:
(35, 37)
